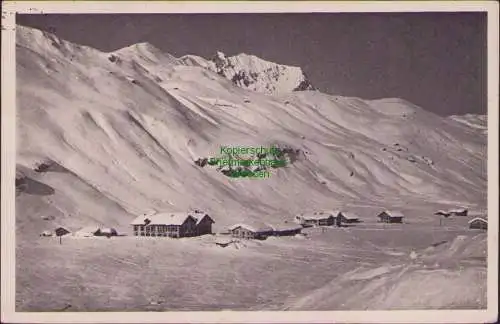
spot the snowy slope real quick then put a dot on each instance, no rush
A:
(125, 129)
(418, 284)
(480, 122)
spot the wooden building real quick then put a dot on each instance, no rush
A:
(315, 219)
(391, 216)
(173, 224)
(478, 223)
(347, 217)
(60, 231)
(106, 232)
(285, 229)
(250, 232)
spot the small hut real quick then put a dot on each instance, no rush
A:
(46, 233)
(391, 216)
(61, 231)
(348, 217)
(478, 223)
(251, 232)
(316, 219)
(106, 232)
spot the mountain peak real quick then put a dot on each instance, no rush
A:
(144, 51)
(253, 73)
(139, 48)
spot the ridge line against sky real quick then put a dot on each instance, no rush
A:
(436, 60)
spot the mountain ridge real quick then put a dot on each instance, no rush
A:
(126, 131)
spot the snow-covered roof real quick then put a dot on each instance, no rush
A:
(284, 226)
(457, 210)
(393, 213)
(478, 219)
(177, 218)
(317, 215)
(200, 216)
(443, 212)
(252, 228)
(108, 230)
(350, 215)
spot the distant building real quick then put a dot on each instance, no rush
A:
(458, 212)
(315, 219)
(478, 223)
(46, 233)
(251, 232)
(60, 231)
(442, 213)
(286, 229)
(391, 216)
(173, 224)
(348, 217)
(106, 232)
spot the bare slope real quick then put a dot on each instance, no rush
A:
(130, 124)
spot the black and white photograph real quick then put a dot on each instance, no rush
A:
(221, 163)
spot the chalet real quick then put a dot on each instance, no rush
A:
(106, 232)
(347, 217)
(458, 212)
(478, 223)
(391, 216)
(173, 224)
(315, 219)
(285, 229)
(60, 231)
(251, 232)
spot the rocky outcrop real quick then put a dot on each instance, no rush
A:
(253, 73)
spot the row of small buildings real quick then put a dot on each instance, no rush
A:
(337, 217)
(196, 223)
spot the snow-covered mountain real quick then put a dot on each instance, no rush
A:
(253, 73)
(103, 137)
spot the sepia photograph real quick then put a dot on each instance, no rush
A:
(218, 163)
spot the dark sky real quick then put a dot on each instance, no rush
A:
(434, 60)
